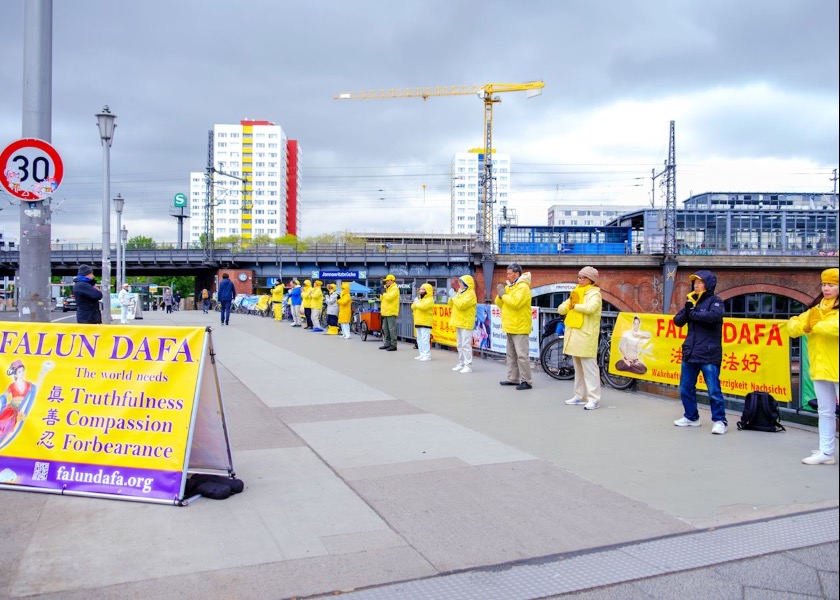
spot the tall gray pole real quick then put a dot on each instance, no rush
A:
(105, 285)
(35, 230)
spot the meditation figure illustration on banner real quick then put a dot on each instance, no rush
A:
(17, 399)
(632, 346)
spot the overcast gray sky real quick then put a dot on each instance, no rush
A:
(751, 84)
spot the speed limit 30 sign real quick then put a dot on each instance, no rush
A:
(31, 169)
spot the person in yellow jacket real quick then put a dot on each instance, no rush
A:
(345, 310)
(277, 293)
(463, 304)
(317, 303)
(583, 327)
(306, 294)
(820, 324)
(514, 300)
(389, 310)
(423, 307)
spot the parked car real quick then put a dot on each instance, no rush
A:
(68, 303)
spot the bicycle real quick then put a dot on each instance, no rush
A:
(559, 365)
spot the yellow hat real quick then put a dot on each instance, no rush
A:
(390, 277)
(831, 276)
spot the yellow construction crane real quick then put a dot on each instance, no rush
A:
(487, 93)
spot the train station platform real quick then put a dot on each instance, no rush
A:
(369, 475)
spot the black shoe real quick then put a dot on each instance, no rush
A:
(508, 383)
(391, 349)
(524, 386)
(385, 347)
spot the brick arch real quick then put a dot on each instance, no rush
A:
(616, 301)
(765, 288)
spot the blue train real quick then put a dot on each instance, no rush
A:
(566, 239)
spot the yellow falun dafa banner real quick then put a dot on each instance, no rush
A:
(107, 410)
(756, 353)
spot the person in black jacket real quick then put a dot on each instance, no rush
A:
(702, 351)
(87, 297)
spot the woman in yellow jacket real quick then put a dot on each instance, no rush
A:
(306, 294)
(317, 303)
(423, 307)
(462, 318)
(514, 300)
(820, 324)
(583, 326)
(345, 310)
(277, 300)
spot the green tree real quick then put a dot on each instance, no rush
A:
(140, 242)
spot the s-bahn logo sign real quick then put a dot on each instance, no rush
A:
(31, 169)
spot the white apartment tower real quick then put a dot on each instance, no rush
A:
(255, 189)
(465, 193)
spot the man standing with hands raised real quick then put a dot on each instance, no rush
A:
(514, 300)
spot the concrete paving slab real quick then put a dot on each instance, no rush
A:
(404, 438)
(491, 514)
(346, 410)
(284, 513)
(277, 375)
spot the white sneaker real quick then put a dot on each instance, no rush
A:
(591, 406)
(466, 369)
(818, 458)
(417, 357)
(572, 401)
(458, 367)
(424, 358)
(683, 422)
(719, 428)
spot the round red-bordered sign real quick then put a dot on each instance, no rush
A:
(31, 169)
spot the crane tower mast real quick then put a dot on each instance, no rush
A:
(487, 93)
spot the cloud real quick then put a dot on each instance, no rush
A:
(752, 87)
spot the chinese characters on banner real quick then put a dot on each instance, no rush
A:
(756, 353)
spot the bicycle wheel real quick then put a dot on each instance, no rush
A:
(363, 330)
(555, 362)
(323, 319)
(619, 382)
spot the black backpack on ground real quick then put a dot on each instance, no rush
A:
(761, 413)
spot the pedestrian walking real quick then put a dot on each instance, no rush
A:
(514, 300)
(463, 303)
(295, 301)
(87, 296)
(423, 307)
(820, 324)
(167, 300)
(225, 295)
(345, 310)
(205, 300)
(582, 329)
(702, 351)
(125, 301)
(389, 310)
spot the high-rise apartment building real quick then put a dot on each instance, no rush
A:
(255, 188)
(465, 194)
